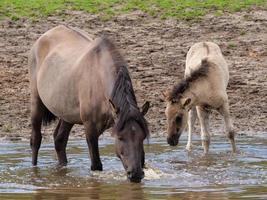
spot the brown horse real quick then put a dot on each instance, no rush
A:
(85, 81)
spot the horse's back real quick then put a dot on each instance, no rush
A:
(55, 55)
(58, 39)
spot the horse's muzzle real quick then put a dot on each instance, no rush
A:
(135, 177)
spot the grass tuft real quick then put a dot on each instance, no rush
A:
(180, 9)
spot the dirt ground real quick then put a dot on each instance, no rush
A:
(155, 50)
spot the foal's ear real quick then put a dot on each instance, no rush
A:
(186, 102)
(165, 95)
(145, 108)
(115, 111)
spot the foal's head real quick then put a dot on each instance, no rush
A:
(129, 138)
(178, 103)
(176, 113)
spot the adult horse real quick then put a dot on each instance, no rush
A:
(85, 81)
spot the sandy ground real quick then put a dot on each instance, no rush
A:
(155, 50)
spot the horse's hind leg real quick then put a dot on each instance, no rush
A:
(191, 121)
(56, 130)
(61, 136)
(37, 111)
(224, 110)
(203, 116)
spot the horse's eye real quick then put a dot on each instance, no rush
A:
(178, 119)
(120, 138)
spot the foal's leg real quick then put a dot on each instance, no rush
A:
(203, 116)
(224, 110)
(37, 110)
(92, 141)
(61, 136)
(191, 121)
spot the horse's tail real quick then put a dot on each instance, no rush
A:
(48, 117)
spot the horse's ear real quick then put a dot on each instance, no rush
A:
(115, 111)
(186, 102)
(145, 108)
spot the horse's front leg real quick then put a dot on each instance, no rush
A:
(92, 141)
(203, 116)
(191, 121)
(230, 133)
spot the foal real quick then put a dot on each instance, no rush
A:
(202, 89)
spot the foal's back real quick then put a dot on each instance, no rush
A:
(212, 53)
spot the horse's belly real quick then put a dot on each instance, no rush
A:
(59, 92)
(61, 105)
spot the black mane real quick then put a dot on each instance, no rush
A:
(184, 85)
(123, 96)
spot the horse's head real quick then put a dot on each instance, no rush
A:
(176, 113)
(129, 145)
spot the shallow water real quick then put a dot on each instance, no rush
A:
(171, 172)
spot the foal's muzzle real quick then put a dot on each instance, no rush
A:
(173, 140)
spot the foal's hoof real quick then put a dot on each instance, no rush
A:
(205, 153)
(97, 167)
(235, 152)
(188, 148)
(173, 140)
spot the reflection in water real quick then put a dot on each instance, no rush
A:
(96, 190)
(171, 172)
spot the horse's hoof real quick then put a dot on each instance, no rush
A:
(62, 164)
(96, 167)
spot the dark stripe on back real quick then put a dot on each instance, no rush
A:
(77, 32)
(184, 85)
(207, 47)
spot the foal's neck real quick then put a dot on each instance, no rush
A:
(195, 93)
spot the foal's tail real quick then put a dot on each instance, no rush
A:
(48, 117)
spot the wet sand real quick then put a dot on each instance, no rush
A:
(155, 51)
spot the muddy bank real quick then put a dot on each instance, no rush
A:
(155, 50)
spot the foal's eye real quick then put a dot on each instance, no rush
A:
(178, 119)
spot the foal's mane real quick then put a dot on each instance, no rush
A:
(122, 95)
(184, 84)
